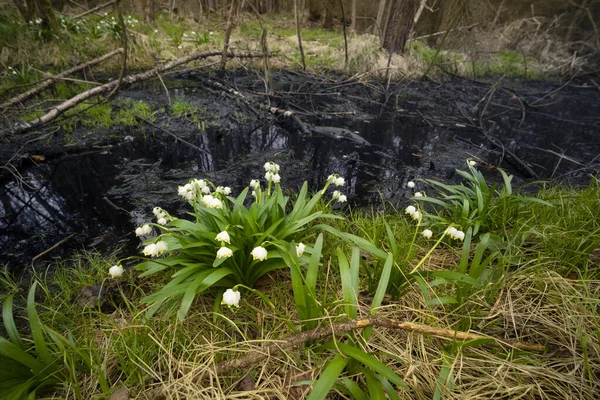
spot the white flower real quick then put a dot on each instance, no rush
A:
(331, 177)
(254, 183)
(193, 33)
(161, 247)
(206, 189)
(342, 198)
(276, 178)
(231, 298)
(225, 190)
(416, 215)
(339, 181)
(259, 253)
(156, 31)
(186, 191)
(269, 176)
(207, 199)
(410, 210)
(115, 270)
(300, 249)
(157, 210)
(268, 166)
(288, 114)
(418, 194)
(460, 235)
(253, 193)
(210, 33)
(143, 230)
(427, 234)
(179, 47)
(452, 232)
(472, 163)
(224, 252)
(214, 203)
(336, 194)
(162, 221)
(150, 250)
(223, 237)
(200, 182)
(410, 184)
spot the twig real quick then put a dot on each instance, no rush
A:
(298, 35)
(232, 11)
(164, 86)
(124, 44)
(51, 80)
(322, 332)
(93, 10)
(345, 36)
(53, 247)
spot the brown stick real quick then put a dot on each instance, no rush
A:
(298, 35)
(341, 328)
(124, 45)
(50, 81)
(72, 102)
(100, 7)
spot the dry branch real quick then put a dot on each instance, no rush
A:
(88, 94)
(341, 328)
(50, 81)
(100, 7)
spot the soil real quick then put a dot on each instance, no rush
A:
(94, 189)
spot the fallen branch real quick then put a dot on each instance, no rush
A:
(88, 94)
(322, 332)
(51, 80)
(100, 7)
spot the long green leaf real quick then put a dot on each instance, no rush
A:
(313, 265)
(455, 277)
(375, 389)
(327, 379)
(355, 390)
(347, 289)
(372, 363)
(384, 280)
(9, 322)
(36, 328)
(13, 352)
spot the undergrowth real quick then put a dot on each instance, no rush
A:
(535, 279)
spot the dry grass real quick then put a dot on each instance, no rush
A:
(539, 307)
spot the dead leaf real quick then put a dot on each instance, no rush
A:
(120, 394)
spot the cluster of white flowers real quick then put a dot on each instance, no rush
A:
(231, 298)
(36, 21)
(272, 172)
(211, 202)
(143, 230)
(12, 70)
(336, 180)
(226, 190)
(413, 212)
(455, 233)
(186, 191)
(339, 196)
(155, 249)
(161, 216)
(115, 270)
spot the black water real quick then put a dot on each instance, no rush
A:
(94, 190)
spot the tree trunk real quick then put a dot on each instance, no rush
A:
(149, 10)
(314, 10)
(26, 9)
(400, 21)
(46, 13)
(353, 22)
(329, 14)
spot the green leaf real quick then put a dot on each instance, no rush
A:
(391, 238)
(313, 265)
(36, 328)
(455, 277)
(355, 390)
(349, 299)
(372, 363)
(327, 379)
(199, 285)
(375, 389)
(19, 355)
(384, 280)
(9, 322)
(442, 300)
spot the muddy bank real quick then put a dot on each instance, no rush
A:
(94, 188)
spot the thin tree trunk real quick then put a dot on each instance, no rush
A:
(380, 14)
(345, 36)
(26, 9)
(232, 11)
(300, 49)
(314, 10)
(353, 22)
(329, 14)
(46, 13)
(400, 21)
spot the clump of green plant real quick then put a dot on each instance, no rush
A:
(228, 242)
(474, 204)
(50, 360)
(130, 111)
(183, 108)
